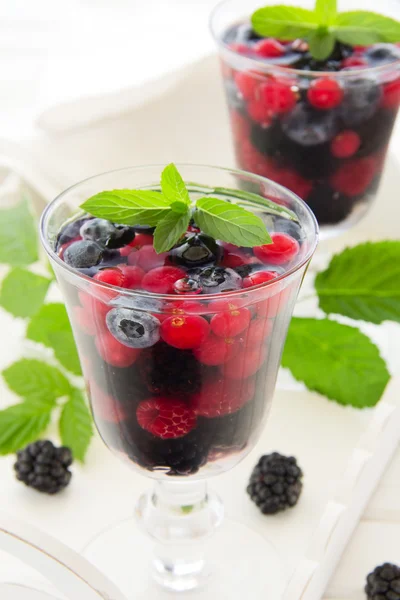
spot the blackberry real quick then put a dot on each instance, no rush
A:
(328, 205)
(183, 456)
(44, 467)
(383, 583)
(169, 371)
(275, 483)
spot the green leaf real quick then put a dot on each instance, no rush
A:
(326, 11)
(18, 237)
(22, 292)
(335, 360)
(51, 327)
(284, 22)
(33, 378)
(321, 44)
(363, 27)
(22, 424)
(130, 207)
(179, 207)
(76, 429)
(363, 283)
(170, 230)
(230, 223)
(173, 187)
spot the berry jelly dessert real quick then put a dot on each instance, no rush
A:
(180, 344)
(320, 127)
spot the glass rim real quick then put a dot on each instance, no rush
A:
(250, 63)
(46, 214)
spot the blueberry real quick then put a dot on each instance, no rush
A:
(82, 255)
(143, 229)
(382, 54)
(133, 328)
(234, 99)
(70, 232)
(308, 127)
(292, 228)
(145, 303)
(214, 280)
(106, 233)
(195, 250)
(361, 100)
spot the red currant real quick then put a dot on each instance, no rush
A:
(233, 260)
(239, 48)
(147, 258)
(269, 48)
(161, 280)
(294, 182)
(141, 239)
(245, 364)
(274, 305)
(259, 112)
(185, 331)
(259, 277)
(355, 176)
(115, 353)
(93, 306)
(283, 249)
(345, 144)
(231, 321)
(325, 94)
(112, 276)
(257, 332)
(84, 320)
(216, 350)
(222, 397)
(133, 276)
(354, 62)
(391, 95)
(247, 84)
(277, 96)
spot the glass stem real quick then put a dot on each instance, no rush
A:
(180, 517)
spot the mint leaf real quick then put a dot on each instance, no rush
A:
(361, 27)
(22, 424)
(230, 223)
(129, 207)
(33, 378)
(173, 187)
(363, 283)
(335, 360)
(170, 230)
(51, 327)
(18, 237)
(326, 11)
(22, 292)
(76, 429)
(284, 22)
(321, 44)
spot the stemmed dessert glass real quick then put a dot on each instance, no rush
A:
(179, 514)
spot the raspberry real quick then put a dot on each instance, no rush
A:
(84, 320)
(257, 332)
(325, 94)
(345, 144)
(147, 258)
(259, 112)
(222, 397)
(354, 177)
(132, 276)
(165, 418)
(161, 279)
(141, 239)
(245, 364)
(247, 84)
(391, 95)
(112, 276)
(185, 331)
(269, 48)
(277, 96)
(283, 249)
(259, 277)
(233, 260)
(113, 352)
(232, 321)
(216, 350)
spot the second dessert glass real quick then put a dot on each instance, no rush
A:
(179, 514)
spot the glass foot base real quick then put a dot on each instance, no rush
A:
(240, 563)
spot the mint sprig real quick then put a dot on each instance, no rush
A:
(323, 26)
(171, 209)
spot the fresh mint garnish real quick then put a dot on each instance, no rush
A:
(323, 26)
(170, 211)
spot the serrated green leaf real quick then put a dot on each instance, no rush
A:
(326, 11)
(230, 223)
(170, 230)
(321, 44)
(22, 424)
(129, 207)
(363, 283)
(365, 27)
(76, 429)
(18, 237)
(22, 292)
(172, 185)
(51, 327)
(284, 22)
(33, 378)
(335, 360)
